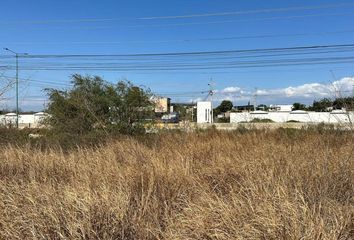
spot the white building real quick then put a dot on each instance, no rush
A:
(204, 112)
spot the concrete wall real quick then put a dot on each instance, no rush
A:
(190, 127)
(25, 120)
(299, 116)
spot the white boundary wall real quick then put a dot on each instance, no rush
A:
(299, 116)
(24, 120)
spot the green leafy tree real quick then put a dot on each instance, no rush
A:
(344, 102)
(181, 110)
(299, 106)
(262, 107)
(225, 106)
(321, 105)
(95, 105)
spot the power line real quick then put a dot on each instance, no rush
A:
(262, 36)
(170, 61)
(196, 15)
(258, 71)
(203, 23)
(232, 21)
(40, 82)
(212, 65)
(257, 50)
(269, 10)
(196, 67)
(231, 56)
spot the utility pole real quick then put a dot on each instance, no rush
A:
(192, 110)
(17, 55)
(255, 99)
(211, 93)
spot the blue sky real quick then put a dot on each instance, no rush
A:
(46, 27)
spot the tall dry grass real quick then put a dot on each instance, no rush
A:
(210, 185)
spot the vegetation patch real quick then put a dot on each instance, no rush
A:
(263, 120)
(246, 184)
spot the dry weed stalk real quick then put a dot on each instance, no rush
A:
(212, 185)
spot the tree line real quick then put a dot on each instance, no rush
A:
(322, 105)
(327, 104)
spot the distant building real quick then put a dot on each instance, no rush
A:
(172, 117)
(281, 108)
(244, 108)
(204, 112)
(162, 104)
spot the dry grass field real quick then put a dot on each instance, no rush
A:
(206, 185)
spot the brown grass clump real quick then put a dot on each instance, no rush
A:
(209, 185)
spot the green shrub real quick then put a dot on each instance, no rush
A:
(258, 120)
(94, 106)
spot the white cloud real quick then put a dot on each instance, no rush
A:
(344, 86)
(305, 92)
(314, 90)
(232, 90)
(194, 100)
